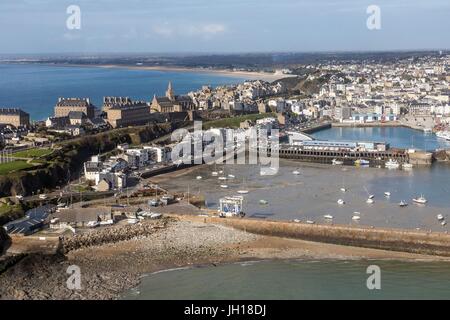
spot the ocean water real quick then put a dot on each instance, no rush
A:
(36, 88)
(298, 279)
(399, 137)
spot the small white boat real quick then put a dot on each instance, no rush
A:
(224, 186)
(221, 171)
(443, 223)
(19, 197)
(392, 164)
(199, 177)
(263, 202)
(296, 172)
(43, 196)
(407, 166)
(341, 202)
(440, 217)
(387, 194)
(336, 162)
(403, 204)
(343, 189)
(356, 218)
(420, 200)
(92, 224)
(328, 217)
(242, 191)
(296, 220)
(222, 178)
(310, 222)
(371, 196)
(214, 173)
(370, 201)
(231, 176)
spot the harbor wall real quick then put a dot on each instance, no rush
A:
(386, 239)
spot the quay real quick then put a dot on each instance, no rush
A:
(419, 242)
(350, 156)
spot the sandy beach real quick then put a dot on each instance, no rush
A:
(109, 270)
(249, 75)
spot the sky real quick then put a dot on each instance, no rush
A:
(221, 26)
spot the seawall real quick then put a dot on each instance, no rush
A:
(386, 239)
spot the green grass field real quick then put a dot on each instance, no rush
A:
(234, 122)
(6, 168)
(32, 153)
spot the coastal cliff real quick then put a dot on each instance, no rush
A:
(69, 159)
(4, 239)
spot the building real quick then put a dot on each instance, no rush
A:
(129, 115)
(171, 102)
(65, 105)
(77, 118)
(81, 217)
(34, 220)
(342, 113)
(14, 117)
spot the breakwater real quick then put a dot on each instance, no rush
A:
(386, 239)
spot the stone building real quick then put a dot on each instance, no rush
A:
(171, 102)
(14, 117)
(66, 105)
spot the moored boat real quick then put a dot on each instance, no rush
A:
(403, 204)
(392, 164)
(420, 200)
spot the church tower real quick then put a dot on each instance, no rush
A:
(169, 93)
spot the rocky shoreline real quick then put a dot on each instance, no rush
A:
(108, 270)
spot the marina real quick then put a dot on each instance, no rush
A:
(379, 194)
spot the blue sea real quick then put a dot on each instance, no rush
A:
(36, 88)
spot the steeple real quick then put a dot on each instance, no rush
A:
(169, 92)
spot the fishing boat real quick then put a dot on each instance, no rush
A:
(443, 223)
(199, 177)
(370, 201)
(222, 178)
(336, 162)
(310, 222)
(387, 194)
(392, 164)
(341, 202)
(231, 176)
(224, 186)
(242, 191)
(214, 173)
(263, 201)
(420, 200)
(328, 217)
(440, 217)
(343, 189)
(371, 196)
(297, 221)
(403, 204)
(356, 217)
(296, 172)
